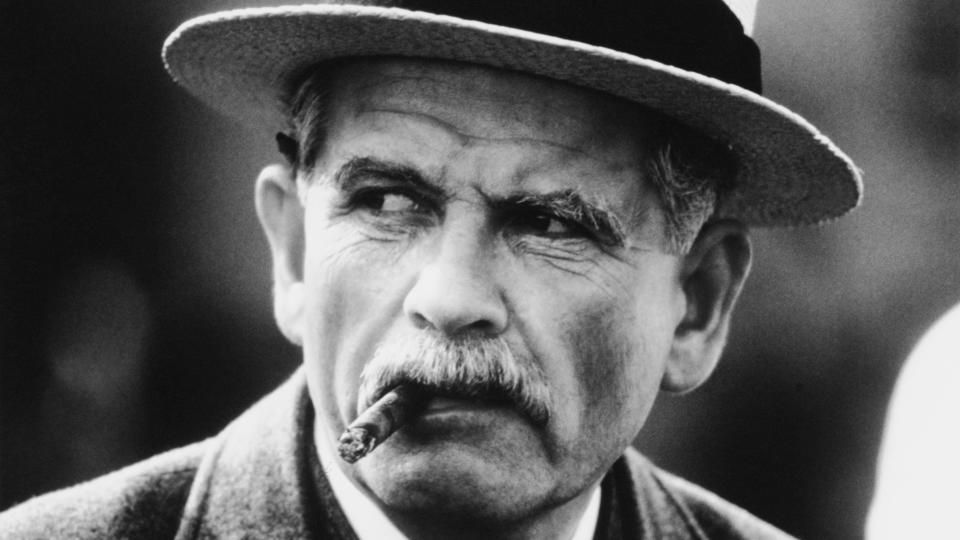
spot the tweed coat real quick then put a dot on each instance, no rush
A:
(260, 478)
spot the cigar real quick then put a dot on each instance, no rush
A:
(381, 420)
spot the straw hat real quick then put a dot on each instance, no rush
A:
(690, 59)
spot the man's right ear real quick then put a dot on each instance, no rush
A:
(281, 215)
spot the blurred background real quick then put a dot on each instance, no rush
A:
(135, 290)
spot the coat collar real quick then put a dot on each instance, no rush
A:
(260, 478)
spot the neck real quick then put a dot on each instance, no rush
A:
(559, 522)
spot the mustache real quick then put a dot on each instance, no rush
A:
(465, 367)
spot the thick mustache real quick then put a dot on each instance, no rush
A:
(470, 367)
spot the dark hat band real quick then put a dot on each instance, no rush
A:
(702, 36)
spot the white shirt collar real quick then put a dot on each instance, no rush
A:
(370, 523)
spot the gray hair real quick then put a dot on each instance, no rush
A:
(688, 170)
(468, 366)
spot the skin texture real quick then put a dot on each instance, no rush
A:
(466, 201)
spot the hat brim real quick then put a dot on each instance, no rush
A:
(242, 62)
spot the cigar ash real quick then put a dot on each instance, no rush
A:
(381, 420)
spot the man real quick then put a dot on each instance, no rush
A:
(501, 229)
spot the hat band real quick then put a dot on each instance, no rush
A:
(703, 36)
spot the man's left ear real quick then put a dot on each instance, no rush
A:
(712, 275)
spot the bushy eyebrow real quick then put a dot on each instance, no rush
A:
(356, 168)
(564, 204)
(569, 205)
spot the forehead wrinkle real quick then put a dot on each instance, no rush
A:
(590, 115)
(465, 139)
(501, 97)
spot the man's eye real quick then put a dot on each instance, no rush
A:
(387, 202)
(543, 224)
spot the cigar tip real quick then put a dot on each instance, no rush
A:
(354, 444)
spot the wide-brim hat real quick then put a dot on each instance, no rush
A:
(689, 59)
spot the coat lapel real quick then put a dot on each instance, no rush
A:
(637, 506)
(259, 479)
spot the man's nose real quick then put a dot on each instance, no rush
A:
(457, 292)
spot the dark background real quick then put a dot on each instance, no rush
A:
(135, 290)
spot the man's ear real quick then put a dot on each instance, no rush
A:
(281, 215)
(712, 273)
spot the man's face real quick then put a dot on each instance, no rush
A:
(468, 203)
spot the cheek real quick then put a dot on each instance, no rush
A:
(348, 281)
(348, 275)
(617, 362)
(620, 350)
(603, 355)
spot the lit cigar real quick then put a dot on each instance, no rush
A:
(390, 413)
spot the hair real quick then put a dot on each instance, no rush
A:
(688, 170)
(308, 116)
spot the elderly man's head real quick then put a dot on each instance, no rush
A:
(445, 206)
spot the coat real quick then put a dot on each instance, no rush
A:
(261, 478)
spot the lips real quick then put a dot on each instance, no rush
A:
(462, 419)
(444, 404)
(453, 395)
(462, 407)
